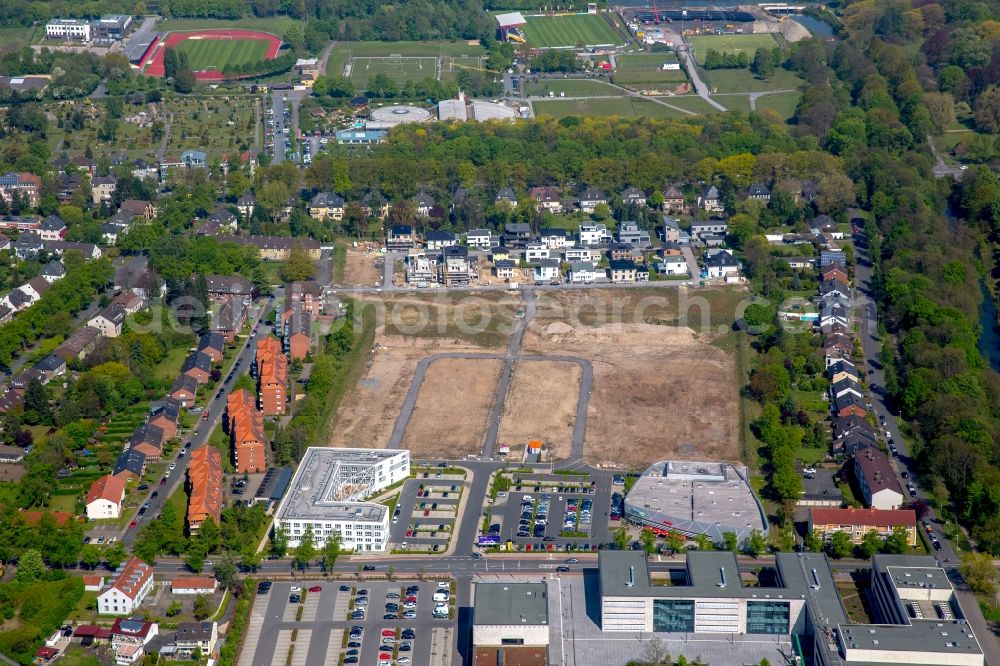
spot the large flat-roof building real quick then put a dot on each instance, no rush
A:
(329, 491)
(695, 498)
(111, 27)
(916, 615)
(78, 29)
(509, 617)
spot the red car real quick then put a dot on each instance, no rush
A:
(389, 632)
(131, 525)
(409, 533)
(427, 513)
(315, 588)
(163, 481)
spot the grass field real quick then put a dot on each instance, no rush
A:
(742, 81)
(400, 70)
(628, 107)
(731, 43)
(443, 49)
(14, 37)
(691, 103)
(739, 103)
(567, 31)
(782, 103)
(217, 53)
(572, 88)
(644, 68)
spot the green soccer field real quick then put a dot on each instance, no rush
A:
(571, 30)
(731, 43)
(400, 70)
(645, 68)
(217, 53)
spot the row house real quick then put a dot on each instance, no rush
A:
(245, 425)
(272, 376)
(204, 487)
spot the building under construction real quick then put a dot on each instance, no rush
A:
(329, 494)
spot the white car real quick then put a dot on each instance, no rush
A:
(888, 435)
(296, 589)
(173, 466)
(809, 470)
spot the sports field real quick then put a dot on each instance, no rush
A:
(398, 68)
(571, 30)
(646, 68)
(731, 43)
(206, 54)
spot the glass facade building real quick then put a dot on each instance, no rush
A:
(674, 615)
(767, 617)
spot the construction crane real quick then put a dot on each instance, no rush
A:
(656, 14)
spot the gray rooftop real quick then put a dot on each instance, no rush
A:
(331, 483)
(511, 603)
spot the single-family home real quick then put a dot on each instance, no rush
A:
(547, 198)
(629, 232)
(633, 196)
(623, 270)
(60, 247)
(591, 235)
(536, 251)
(583, 272)
(721, 264)
(130, 584)
(105, 497)
(714, 226)
(149, 440)
(877, 480)
(129, 637)
(400, 237)
(672, 265)
(327, 206)
(673, 199)
(373, 204)
(53, 271)
(109, 321)
(163, 414)
(505, 198)
(228, 317)
(623, 251)
(246, 204)
(194, 159)
(842, 369)
(546, 270)
(759, 192)
(422, 204)
(832, 257)
(27, 246)
(555, 239)
(844, 387)
(130, 301)
(479, 239)
(138, 208)
(499, 253)
(102, 188)
(35, 288)
(437, 239)
(504, 269)
(834, 274)
(53, 228)
(856, 523)
(849, 404)
(184, 390)
(516, 234)
(196, 637)
(213, 344)
(591, 198)
(710, 200)
(198, 365)
(50, 367)
(577, 254)
(830, 315)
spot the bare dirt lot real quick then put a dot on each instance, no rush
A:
(660, 390)
(413, 328)
(360, 268)
(541, 404)
(453, 408)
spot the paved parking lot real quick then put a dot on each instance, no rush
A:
(427, 510)
(319, 634)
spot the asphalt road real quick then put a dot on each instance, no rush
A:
(202, 429)
(692, 70)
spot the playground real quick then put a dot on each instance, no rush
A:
(210, 51)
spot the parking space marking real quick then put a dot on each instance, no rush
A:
(254, 627)
(282, 644)
(310, 607)
(441, 646)
(341, 605)
(301, 647)
(289, 613)
(333, 649)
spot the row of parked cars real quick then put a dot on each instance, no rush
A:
(388, 645)
(617, 506)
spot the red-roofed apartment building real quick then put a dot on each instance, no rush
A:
(128, 636)
(856, 523)
(272, 372)
(129, 586)
(104, 500)
(245, 424)
(877, 480)
(205, 483)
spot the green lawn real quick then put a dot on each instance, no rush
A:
(400, 70)
(781, 103)
(14, 37)
(217, 53)
(572, 88)
(443, 49)
(739, 103)
(700, 44)
(168, 369)
(571, 30)
(741, 80)
(276, 25)
(219, 440)
(78, 656)
(645, 68)
(628, 107)
(692, 103)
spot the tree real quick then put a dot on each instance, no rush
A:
(813, 543)
(331, 549)
(757, 543)
(195, 559)
(36, 403)
(987, 110)
(703, 542)
(840, 545)
(675, 542)
(202, 607)
(90, 556)
(871, 543)
(898, 541)
(115, 555)
(306, 550)
(279, 542)
(979, 573)
(225, 571)
(730, 542)
(621, 537)
(30, 566)
(648, 540)
(763, 63)
(299, 266)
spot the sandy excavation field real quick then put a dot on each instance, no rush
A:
(453, 408)
(541, 404)
(369, 411)
(360, 269)
(660, 391)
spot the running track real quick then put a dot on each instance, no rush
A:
(155, 59)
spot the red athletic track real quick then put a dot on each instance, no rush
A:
(155, 59)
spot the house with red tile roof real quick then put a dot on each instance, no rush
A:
(105, 497)
(130, 584)
(193, 585)
(856, 523)
(272, 373)
(205, 487)
(93, 583)
(245, 425)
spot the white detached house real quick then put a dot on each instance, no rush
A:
(104, 500)
(131, 583)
